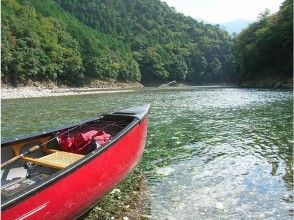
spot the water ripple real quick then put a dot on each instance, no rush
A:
(211, 153)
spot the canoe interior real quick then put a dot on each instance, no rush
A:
(22, 174)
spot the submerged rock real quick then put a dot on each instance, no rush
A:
(219, 205)
(164, 171)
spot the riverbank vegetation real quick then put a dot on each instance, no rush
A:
(147, 41)
(73, 42)
(264, 50)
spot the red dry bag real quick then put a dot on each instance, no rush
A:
(82, 142)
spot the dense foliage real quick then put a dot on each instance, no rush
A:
(40, 41)
(128, 40)
(167, 45)
(265, 48)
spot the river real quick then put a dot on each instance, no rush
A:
(210, 153)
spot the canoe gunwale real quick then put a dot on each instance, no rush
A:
(72, 168)
(136, 112)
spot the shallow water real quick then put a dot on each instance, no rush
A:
(211, 152)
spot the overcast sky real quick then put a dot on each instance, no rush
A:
(220, 11)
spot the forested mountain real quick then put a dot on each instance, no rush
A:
(166, 44)
(264, 50)
(127, 40)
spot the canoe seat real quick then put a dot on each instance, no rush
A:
(56, 160)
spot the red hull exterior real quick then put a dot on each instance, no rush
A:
(69, 197)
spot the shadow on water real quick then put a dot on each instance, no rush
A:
(211, 152)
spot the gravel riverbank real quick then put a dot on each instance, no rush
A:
(28, 92)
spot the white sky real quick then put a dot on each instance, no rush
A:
(220, 11)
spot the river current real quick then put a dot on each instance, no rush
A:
(224, 153)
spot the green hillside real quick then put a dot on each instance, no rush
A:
(265, 49)
(40, 41)
(70, 41)
(167, 45)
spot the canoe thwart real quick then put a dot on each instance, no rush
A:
(56, 160)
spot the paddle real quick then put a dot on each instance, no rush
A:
(32, 149)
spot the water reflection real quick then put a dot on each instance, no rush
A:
(211, 153)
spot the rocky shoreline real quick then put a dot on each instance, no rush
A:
(30, 92)
(46, 89)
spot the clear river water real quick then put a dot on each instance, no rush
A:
(224, 153)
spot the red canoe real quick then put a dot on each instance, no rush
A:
(41, 180)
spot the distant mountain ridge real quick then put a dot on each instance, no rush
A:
(236, 26)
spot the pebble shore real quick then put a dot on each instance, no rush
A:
(29, 92)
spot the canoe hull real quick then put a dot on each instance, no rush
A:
(73, 194)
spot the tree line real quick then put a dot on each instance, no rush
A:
(264, 50)
(73, 41)
(127, 40)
